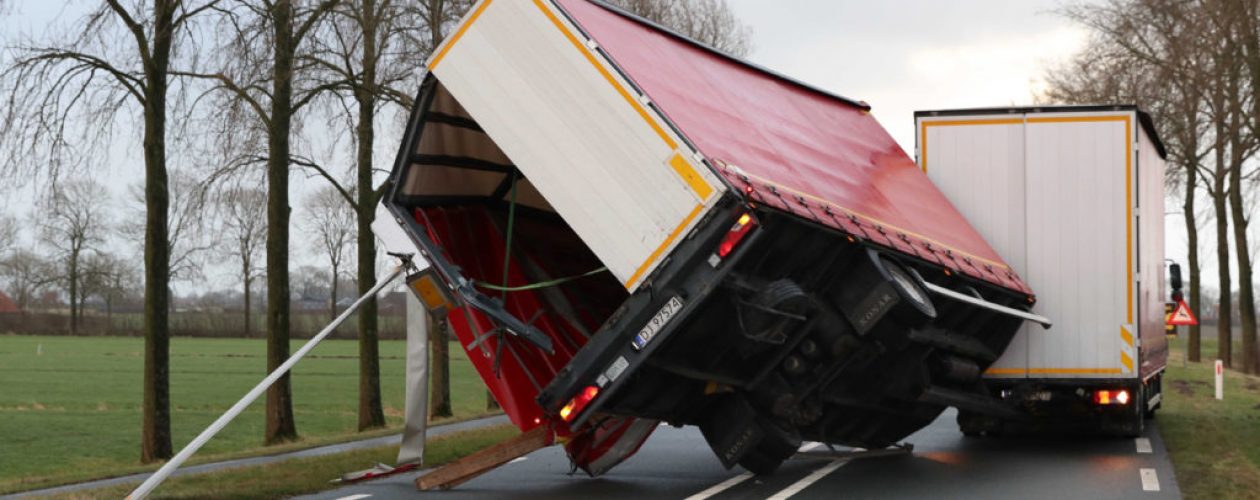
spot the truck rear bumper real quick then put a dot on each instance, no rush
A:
(1067, 405)
(801, 334)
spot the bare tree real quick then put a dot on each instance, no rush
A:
(264, 71)
(78, 81)
(107, 277)
(188, 239)
(331, 227)
(1196, 53)
(25, 274)
(8, 233)
(711, 22)
(1243, 144)
(243, 212)
(72, 224)
(369, 56)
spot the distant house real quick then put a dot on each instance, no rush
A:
(7, 305)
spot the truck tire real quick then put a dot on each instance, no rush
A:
(909, 287)
(1137, 419)
(775, 448)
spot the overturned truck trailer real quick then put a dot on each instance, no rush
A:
(625, 227)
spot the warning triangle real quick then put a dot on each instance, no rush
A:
(1182, 316)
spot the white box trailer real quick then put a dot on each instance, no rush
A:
(1073, 198)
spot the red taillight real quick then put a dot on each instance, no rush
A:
(1111, 397)
(737, 233)
(578, 403)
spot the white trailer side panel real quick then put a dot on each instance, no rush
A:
(608, 164)
(976, 154)
(1153, 344)
(1062, 209)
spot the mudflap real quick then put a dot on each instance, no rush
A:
(739, 437)
(610, 442)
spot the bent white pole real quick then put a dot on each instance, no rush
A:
(153, 481)
(1027, 316)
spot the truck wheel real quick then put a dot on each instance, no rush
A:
(1137, 423)
(759, 463)
(909, 288)
(774, 449)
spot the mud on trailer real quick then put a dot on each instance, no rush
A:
(626, 228)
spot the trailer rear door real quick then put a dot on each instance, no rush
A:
(1057, 193)
(595, 148)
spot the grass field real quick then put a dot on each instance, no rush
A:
(1213, 444)
(70, 406)
(306, 475)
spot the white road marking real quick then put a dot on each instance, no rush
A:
(720, 487)
(1143, 445)
(812, 478)
(808, 446)
(355, 497)
(517, 459)
(1150, 481)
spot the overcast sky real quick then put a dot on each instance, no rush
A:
(907, 55)
(899, 55)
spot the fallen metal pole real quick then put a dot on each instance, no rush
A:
(153, 481)
(945, 292)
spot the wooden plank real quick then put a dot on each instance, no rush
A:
(460, 471)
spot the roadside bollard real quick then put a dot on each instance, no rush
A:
(1220, 380)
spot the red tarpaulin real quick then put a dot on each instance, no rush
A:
(794, 148)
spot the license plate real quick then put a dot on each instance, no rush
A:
(657, 322)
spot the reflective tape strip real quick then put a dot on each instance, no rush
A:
(1052, 371)
(689, 174)
(638, 273)
(607, 76)
(458, 34)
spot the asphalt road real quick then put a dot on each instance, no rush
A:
(676, 463)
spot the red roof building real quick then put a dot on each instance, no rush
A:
(7, 305)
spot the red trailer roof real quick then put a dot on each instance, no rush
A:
(793, 147)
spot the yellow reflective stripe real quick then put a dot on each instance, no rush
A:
(689, 174)
(948, 123)
(1128, 362)
(638, 273)
(607, 76)
(458, 33)
(1128, 337)
(1052, 371)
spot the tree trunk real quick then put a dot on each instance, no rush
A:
(1224, 335)
(441, 367)
(440, 373)
(1238, 214)
(332, 303)
(73, 273)
(155, 435)
(280, 424)
(248, 282)
(1193, 349)
(371, 413)
(491, 404)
